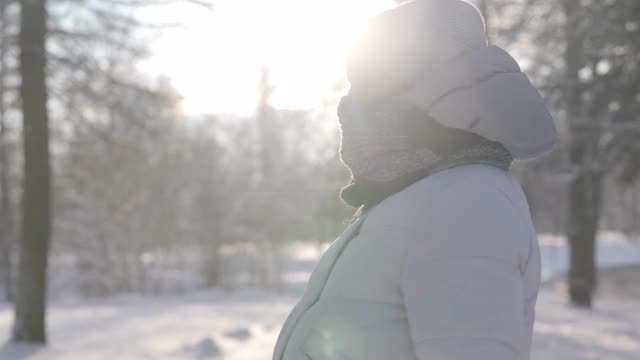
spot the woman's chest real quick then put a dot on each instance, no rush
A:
(368, 268)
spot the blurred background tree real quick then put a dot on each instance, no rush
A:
(7, 181)
(30, 304)
(584, 57)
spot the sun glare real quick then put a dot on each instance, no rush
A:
(215, 60)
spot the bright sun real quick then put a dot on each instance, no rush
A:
(215, 60)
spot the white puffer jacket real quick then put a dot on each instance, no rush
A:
(448, 268)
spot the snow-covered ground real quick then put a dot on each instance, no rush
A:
(613, 249)
(243, 325)
(240, 325)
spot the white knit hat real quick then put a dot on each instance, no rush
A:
(458, 20)
(435, 52)
(416, 35)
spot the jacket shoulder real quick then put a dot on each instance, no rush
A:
(472, 210)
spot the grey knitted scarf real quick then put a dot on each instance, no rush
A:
(388, 144)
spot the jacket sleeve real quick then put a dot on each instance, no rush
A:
(462, 286)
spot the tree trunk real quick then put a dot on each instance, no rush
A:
(6, 212)
(30, 304)
(584, 210)
(213, 263)
(585, 189)
(6, 231)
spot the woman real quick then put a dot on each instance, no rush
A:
(442, 260)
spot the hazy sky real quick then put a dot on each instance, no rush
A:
(214, 60)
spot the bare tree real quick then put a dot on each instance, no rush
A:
(585, 189)
(6, 208)
(30, 304)
(583, 55)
